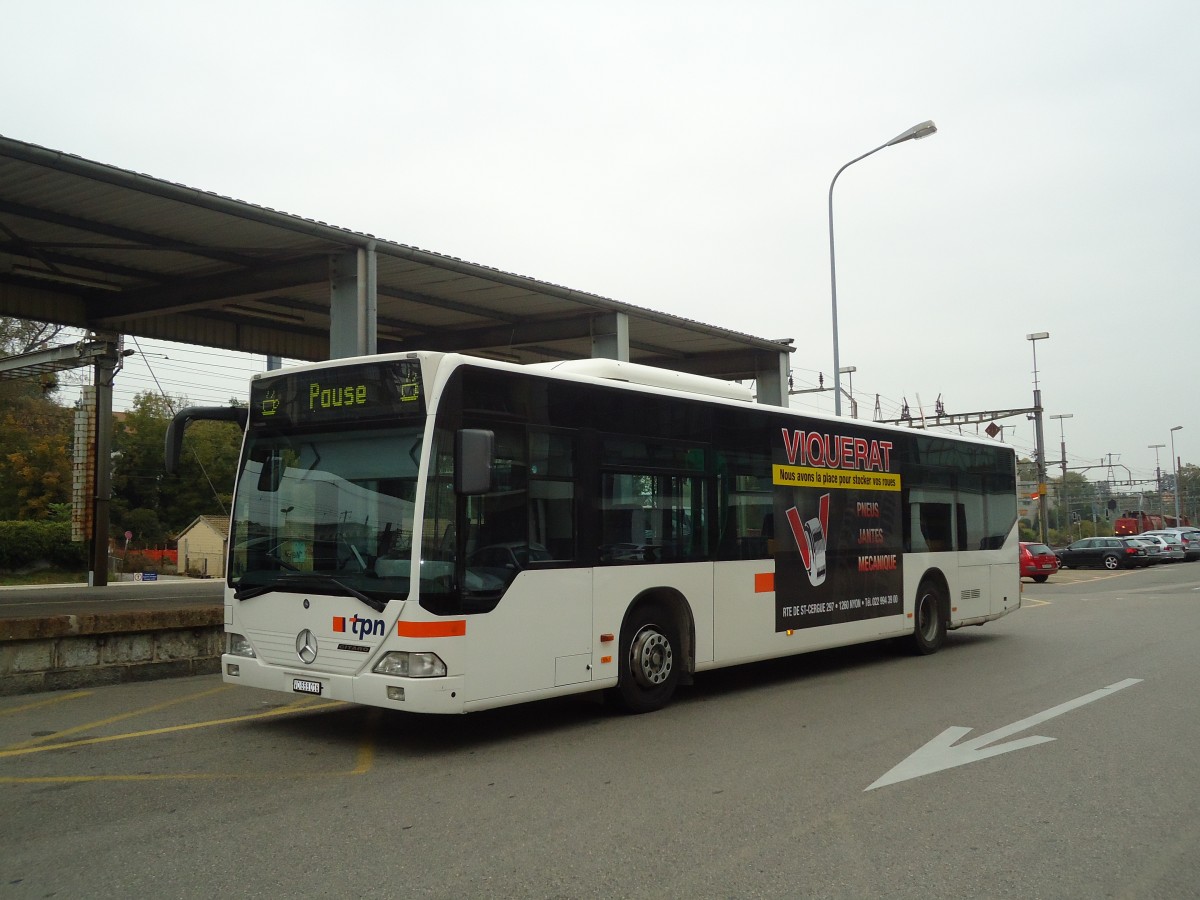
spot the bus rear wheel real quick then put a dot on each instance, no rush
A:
(650, 660)
(929, 628)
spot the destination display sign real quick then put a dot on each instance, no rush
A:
(361, 392)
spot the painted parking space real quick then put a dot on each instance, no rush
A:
(1080, 576)
(185, 729)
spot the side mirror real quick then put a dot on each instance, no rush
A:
(181, 420)
(474, 461)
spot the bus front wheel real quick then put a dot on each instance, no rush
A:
(929, 629)
(650, 660)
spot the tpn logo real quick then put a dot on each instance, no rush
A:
(360, 628)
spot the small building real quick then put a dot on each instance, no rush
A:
(203, 545)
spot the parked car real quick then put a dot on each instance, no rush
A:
(1105, 552)
(1170, 546)
(1189, 537)
(1037, 561)
(1154, 551)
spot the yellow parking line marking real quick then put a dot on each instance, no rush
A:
(179, 776)
(28, 706)
(1102, 575)
(1032, 602)
(363, 761)
(109, 721)
(366, 748)
(168, 776)
(81, 779)
(22, 750)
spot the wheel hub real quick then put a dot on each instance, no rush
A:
(650, 657)
(926, 621)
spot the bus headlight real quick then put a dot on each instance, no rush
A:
(411, 665)
(239, 646)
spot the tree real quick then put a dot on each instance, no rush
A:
(151, 503)
(147, 529)
(19, 336)
(35, 430)
(1027, 470)
(1075, 501)
(1189, 492)
(35, 457)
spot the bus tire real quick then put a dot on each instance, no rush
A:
(929, 614)
(650, 660)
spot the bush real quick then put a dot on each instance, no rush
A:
(26, 544)
(136, 561)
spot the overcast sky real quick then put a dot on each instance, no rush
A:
(678, 156)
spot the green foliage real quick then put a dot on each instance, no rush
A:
(1189, 492)
(148, 530)
(23, 335)
(134, 561)
(26, 544)
(1027, 470)
(152, 504)
(35, 431)
(36, 436)
(35, 456)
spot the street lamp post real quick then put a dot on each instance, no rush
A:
(1062, 489)
(923, 130)
(1175, 467)
(1041, 443)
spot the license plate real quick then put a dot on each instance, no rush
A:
(1046, 565)
(306, 687)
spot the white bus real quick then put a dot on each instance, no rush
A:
(442, 534)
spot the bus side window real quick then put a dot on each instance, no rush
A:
(552, 495)
(936, 526)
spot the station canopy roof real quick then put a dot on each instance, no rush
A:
(105, 249)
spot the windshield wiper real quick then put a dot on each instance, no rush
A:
(294, 581)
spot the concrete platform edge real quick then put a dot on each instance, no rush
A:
(67, 652)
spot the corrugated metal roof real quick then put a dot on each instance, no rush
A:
(95, 246)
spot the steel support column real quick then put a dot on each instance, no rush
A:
(772, 381)
(610, 336)
(353, 303)
(105, 371)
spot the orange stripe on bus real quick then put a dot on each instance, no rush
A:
(452, 628)
(764, 582)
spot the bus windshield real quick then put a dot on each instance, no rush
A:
(331, 511)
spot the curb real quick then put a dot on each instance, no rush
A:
(65, 652)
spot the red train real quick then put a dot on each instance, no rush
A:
(1135, 522)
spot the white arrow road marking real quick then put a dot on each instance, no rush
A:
(942, 753)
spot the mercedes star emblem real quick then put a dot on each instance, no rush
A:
(306, 646)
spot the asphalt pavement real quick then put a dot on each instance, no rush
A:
(168, 593)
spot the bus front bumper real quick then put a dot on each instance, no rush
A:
(423, 695)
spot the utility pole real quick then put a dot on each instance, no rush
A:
(1157, 475)
(1041, 443)
(1175, 464)
(1062, 488)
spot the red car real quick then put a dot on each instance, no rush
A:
(1037, 561)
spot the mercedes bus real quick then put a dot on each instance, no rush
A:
(440, 533)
